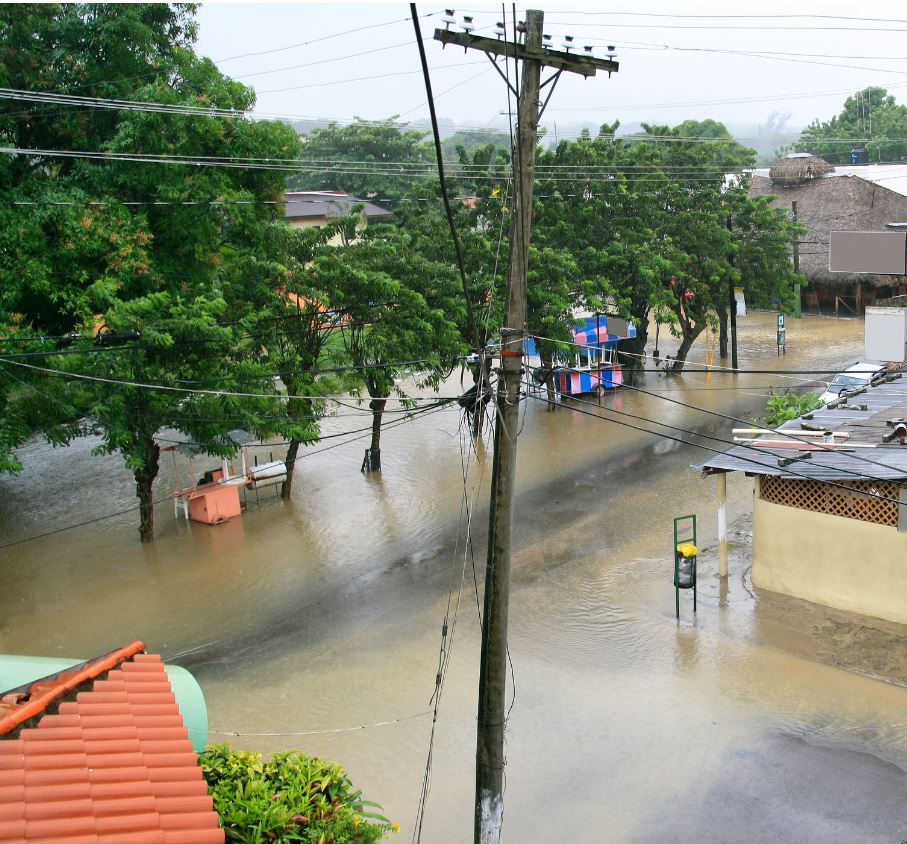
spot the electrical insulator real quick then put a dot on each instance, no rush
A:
(468, 25)
(499, 29)
(449, 18)
(567, 43)
(611, 52)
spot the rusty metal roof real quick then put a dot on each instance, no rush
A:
(849, 460)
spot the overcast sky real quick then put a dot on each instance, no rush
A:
(677, 61)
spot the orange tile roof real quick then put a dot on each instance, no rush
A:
(114, 766)
(24, 703)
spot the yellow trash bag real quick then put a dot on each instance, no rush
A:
(687, 549)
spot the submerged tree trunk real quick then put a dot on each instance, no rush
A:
(690, 332)
(286, 488)
(632, 354)
(550, 395)
(144, 481)
(373, 456)
(722, 332)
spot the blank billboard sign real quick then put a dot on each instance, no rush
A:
(880, 253)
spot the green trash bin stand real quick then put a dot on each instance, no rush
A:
(685, 552)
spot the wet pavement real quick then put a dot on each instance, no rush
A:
(306, 620)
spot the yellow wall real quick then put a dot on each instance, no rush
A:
(307, 222)
(317, 222)
(830, 560)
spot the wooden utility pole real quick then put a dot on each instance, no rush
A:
(489, 802)
(732, 307)
(795, 248)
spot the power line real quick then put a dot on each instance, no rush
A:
(709, 448)
(168, 388)
(365, 78)
(321, 62)
(154, 73)
(792, 434)
(473, 326)
(315, 732)
(137, 508)
(135, 105)
(319, 40)
(737, 16)
(298, 167)
(757, 27)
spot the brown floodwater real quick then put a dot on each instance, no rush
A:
(303, 619)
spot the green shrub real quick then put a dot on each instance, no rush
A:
(291, 797)
(785, 406)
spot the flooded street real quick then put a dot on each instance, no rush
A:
(305, 621)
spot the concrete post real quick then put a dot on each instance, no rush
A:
(722, 523)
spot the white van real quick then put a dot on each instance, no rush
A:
(861, 374)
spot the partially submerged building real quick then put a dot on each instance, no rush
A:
(863, 197)
(830, 502)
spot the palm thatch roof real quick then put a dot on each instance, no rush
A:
(835, 203)
(797, 168)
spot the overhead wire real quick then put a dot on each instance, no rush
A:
(154, 73)
(323, 732)
(206, 111)
(726, 443)
(170, 388)
(794, 435)
(369, 78)
(311, 41)
(447, 629)
(136, 508)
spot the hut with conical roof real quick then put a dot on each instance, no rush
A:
(798, 168)
(852, 198)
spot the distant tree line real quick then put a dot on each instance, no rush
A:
(871, 118)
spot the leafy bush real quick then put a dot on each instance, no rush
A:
(786, 406)
(291, 797)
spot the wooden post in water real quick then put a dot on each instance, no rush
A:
(722, 523)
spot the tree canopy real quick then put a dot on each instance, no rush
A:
(143, 296)
(871, 118)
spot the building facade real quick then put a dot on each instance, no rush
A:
(830, 502)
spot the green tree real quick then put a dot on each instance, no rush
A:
(659, 225)
(390, 328)
(145, 248)
(294, 323)
(701, 129)
(870, 118)
(182, 347)
(464, 144)
(606, 216)
(370, 159)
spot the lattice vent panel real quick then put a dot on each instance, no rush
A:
(858, 501)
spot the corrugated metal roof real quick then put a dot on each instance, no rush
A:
(114, 765)
(327, 204)
(882, 461)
